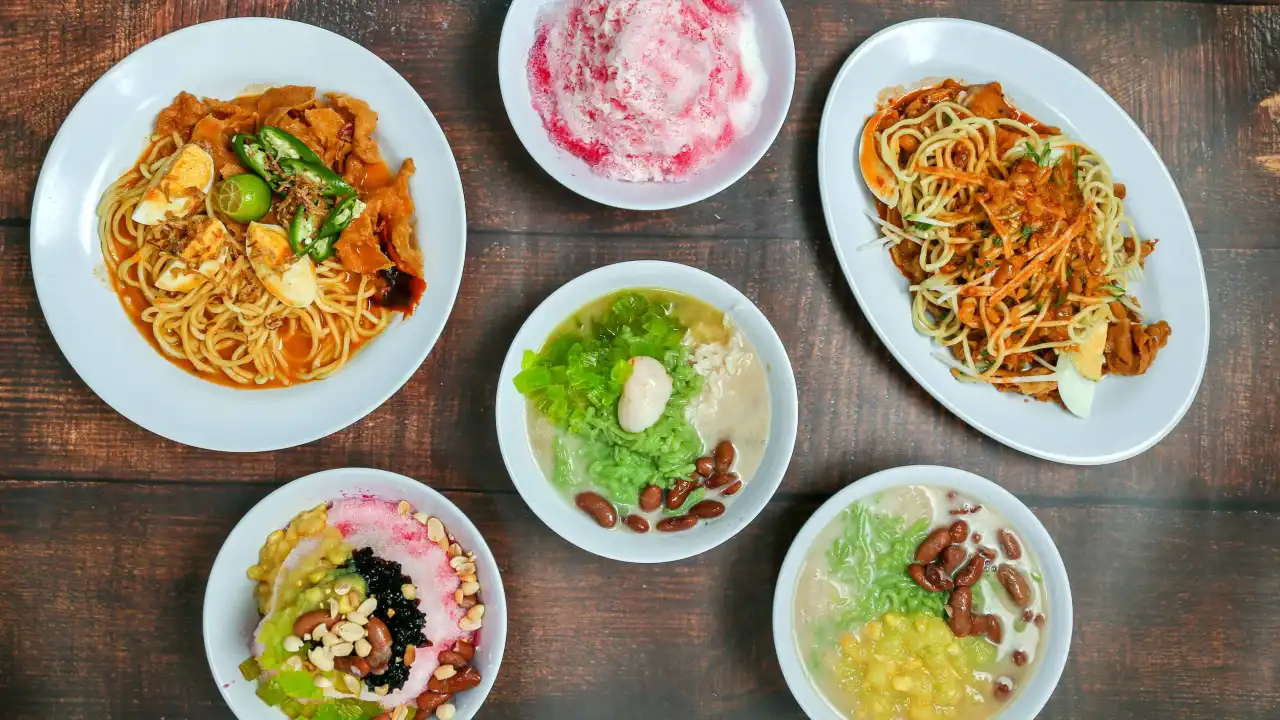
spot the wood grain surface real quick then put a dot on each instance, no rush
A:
(108, 532)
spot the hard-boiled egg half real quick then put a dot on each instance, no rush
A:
(205, 250)
(177, 188)
(290, 278)
(1078, 371)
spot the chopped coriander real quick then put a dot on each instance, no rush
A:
(1041, 156)
(998, 241)
(1113, 289)
(920, 226)
(1027, 231)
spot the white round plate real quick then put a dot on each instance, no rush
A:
(102, 138)
(1032, 697)
(231, 613)
(1130, 414)
(556, 509)
(777, 53)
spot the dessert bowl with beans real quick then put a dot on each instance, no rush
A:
(922, 592)
(647, 411)
(355, 594)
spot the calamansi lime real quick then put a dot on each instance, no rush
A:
(243, 198)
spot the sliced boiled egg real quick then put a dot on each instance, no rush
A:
(205, 250)
(1079, 370)
(292, 279)
(644, 394)
(177, 188)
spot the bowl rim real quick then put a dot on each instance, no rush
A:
(286, 501)
(1033, 696)
(555, 511)
(559, 167)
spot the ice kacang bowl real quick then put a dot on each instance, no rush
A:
(231, 612)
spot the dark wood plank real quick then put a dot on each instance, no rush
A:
(1174, 611)
(1201, 80)
(860, 412)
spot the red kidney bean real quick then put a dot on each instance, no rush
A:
(1003, 690)
(988, 553)
(705, 466)
(719, 480)
(978, 627)
(1019, 658)
(1039, 621)
(977, 537)
(961, 620)
(379, 638)
(951, 495)
(454, 658)
(959, 531)
(707, 509)
(971, 573)
(651, 498)
(310, 621)
(352, 665)
(465, 679)
(636, 523)
(995, 631)
(918, 573)
(933, 545)
(952, 558)
(1027, 615)
(732, 489)
(432, 700)
(677, 524)
(1015, 584)
(600, 510)
(1009, 543)
(465, 649)
(934, 572)
(678, 493)
(725, 455)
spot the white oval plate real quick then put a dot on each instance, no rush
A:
(102, 138)
(231, 614)
(557, 510)
(1032, 697)
(1130, 414)
(777, 53)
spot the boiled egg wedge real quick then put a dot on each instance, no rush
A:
(1078, 371)
(292, 279)
(202, 256)
(177, 188)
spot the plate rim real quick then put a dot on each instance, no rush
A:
(845, 262)
(201, 438)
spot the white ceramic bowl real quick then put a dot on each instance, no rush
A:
(102, 138)
(1034, 694)
(1130, 414)
(557, 510)
(231, 613)
(777, 52)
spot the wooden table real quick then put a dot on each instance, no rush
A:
(107, 532)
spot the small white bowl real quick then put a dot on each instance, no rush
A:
(556, 510)
(231, 613)
(777, 54)
(1035, 693)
